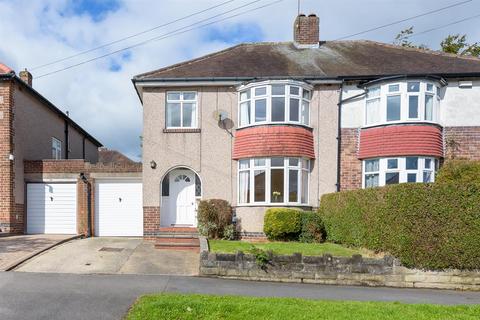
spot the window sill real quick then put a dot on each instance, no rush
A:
(393, 123)
(263, 204)
(182, 130)
(271, 124)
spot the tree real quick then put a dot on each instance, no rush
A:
(402, 39)
(457, 44)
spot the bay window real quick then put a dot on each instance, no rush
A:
(385, 171)
(405, 101)
(274, 102)
(274, 180)
(181, 110)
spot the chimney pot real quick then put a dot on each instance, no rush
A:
(26, 76)
(306, 31)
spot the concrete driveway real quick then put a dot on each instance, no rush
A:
(17, 248)
(113, 256)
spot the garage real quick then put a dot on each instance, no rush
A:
(52, 208)
(118, 208)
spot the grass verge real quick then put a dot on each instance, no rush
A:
(207, 307)
(307, 249)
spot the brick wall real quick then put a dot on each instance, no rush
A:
(350, 165)
(11, 216)
(462, 142)
(151, 222)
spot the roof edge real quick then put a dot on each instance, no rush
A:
(14, 77)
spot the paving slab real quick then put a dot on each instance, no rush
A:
(15, 249)
(108, 255)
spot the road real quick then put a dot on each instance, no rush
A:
(72, 296)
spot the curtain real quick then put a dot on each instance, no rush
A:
(245, 113)
(373, 111)
(244, 188)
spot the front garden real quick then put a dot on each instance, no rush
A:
(204, 307)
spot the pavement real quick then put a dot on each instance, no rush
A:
(109, 255)
(73, 296)
(17, 248)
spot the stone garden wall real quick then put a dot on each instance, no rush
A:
(327, 269)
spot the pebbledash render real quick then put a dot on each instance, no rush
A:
(280, 124)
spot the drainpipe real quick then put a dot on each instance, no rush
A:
(339, 133)
(89, 204)
(66, 140)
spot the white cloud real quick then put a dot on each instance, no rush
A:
(104, 102)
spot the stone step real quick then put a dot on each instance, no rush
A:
(178, 235)
(178, 244)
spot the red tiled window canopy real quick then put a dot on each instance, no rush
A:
(401, 140)
(273, 140)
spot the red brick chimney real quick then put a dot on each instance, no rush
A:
(306, 31)
(26, 77)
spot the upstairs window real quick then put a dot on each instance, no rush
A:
(181, 111)
(274, 102)
(56, 149)
(402, 102)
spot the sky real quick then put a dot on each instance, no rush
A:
(99, 95)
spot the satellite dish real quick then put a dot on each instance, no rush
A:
(220, 115)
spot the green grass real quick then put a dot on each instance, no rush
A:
(205, 307)
(307, 249)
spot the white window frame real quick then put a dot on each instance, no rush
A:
(268, 96)
(401, 169)
(56, 149)
(404, 102)
(181, 102)
(268, 169)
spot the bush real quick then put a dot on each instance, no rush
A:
(431, 226)
(214, 216)
(459, 171)
(312, 228)
(282, 224)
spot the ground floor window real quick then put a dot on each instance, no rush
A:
(384, 171)
(275, 180)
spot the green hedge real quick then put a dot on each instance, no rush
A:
(282, 223)
(432, 226)
(459, 171)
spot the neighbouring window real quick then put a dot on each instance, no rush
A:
(56, 149)
(401, 102)
(275, 180)
(282, 102)
(181, 109)
(385, 171)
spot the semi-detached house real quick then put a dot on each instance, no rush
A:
(280, 124)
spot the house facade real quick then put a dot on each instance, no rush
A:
(280, 124)
(32, 129)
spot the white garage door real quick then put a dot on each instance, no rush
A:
(52, 208)
(118, 208)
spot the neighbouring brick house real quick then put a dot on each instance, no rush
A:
(281, 124)
(53, 177)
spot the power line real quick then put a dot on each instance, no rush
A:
(132, 35)
(403, 20)
(439, 27)
(168, 35)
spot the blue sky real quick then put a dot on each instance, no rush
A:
(99, 94)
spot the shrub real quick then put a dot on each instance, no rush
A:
(214, 216)
(431, 226)
(282, 223)
(459, 171)
(312, 228)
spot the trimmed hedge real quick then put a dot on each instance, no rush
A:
(313, 230)
(459, 171)
(282, 223)
(431, 226)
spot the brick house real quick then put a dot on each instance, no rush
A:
(53, 177)
(281, 124)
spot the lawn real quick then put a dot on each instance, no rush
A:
(178, 306)
(307, 249)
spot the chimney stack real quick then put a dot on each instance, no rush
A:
(26, 76)
(306, 31)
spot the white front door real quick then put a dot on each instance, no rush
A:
(182, 198)
(52, 208)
